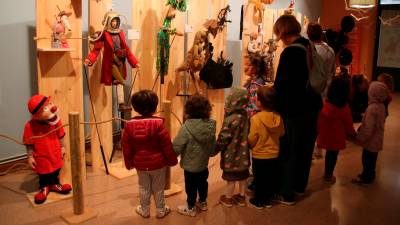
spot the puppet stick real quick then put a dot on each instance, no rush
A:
(76, 163)
(167, 117)
(95, 120)
(130, 91)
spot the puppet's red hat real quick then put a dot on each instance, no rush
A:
(37, 102)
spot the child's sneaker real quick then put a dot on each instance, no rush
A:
(267, 204)
(161, 213)
(330, 179)
(61, 188)
(139, 210)
(202, 206)
(239, 199)
(228, 202)
(284, 200)
(185, 210)
(255, 204)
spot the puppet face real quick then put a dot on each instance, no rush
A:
(114, 23)
(48, 113)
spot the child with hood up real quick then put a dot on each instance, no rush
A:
(370, 133)
(233, 145)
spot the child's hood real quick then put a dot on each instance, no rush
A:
(377, 92)
(203, 130)
(271, 120)
(236, 101)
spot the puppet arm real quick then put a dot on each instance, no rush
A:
(31, 160)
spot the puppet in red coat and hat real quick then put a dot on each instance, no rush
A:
(116, 51)
(45, 154)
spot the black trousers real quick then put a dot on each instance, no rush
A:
(265, 173)
(196, 183)
(49, 179)
(369, 163)
(330, 161)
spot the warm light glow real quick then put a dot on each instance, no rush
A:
(361, 4)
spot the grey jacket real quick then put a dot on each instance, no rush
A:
(370, 133)
(195, 143)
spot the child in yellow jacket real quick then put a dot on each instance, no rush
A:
(266, 127)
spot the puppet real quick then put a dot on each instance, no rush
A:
(200, 52)
(61, 29)
(254, 46)
(45, 154)
(116, 51)
(290, 8)
(163, 36)
(259, 7)
(268, 56)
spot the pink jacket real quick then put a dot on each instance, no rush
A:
(370, 133)
(146, 144)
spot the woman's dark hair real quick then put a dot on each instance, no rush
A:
(267, 97)
(145, 102)
(338, 92)
(356, 81)
(198, 107)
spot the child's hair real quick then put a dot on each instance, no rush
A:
(338, 92)
(387, 79)
(145, 102)
(314, 32)
(267, 97)
(357, 80)
(258, 63)
(198, 107)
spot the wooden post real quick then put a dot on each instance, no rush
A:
(166, 105)
(76, 163)
(79, 214)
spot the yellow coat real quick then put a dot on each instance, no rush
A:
(265, 130)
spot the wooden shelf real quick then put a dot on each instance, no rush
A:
(56, 49)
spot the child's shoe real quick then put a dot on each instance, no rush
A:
(161, 213)
(255, 204)
(41, 196)
(228, 202)
(142, 213)
(284, 200)
(61, 188)
(202, 206)
(185, 210)
(239, 199)
(360, 180)
(267, 204)
(329, 179)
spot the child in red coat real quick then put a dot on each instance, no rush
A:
(45, 154)
(334, 125)
(147, 146)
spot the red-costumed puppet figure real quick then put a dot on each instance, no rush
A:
(116, 50)
(45, 154)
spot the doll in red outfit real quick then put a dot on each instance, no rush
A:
(45, 154)
(116, 51)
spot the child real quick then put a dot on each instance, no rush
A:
(232, 143)
(147, 146)
(266, 127)
(358, 100)
(195, 143)
(255, 68)
(370, 133)
(334, 125)
(387, 79)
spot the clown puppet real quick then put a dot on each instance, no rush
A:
(45, 154)
(116, 51)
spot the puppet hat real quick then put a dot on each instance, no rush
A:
(36, 103)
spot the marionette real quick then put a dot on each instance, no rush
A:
(61, 29)
(45, 154)
(253, 47)
(116, 51)
(290, 8)
(163, 36)
(259, 7)
(268, 56)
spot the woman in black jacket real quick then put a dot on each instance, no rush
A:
(298, 105)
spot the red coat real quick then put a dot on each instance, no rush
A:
(106, 68)
(334, 125)
(47, 150)
(146, 144)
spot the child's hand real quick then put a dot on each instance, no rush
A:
(32, 162)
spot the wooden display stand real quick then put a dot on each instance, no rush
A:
(101, 94)
(59, 70)
(80, 213)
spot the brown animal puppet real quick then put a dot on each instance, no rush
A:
(45, 154)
